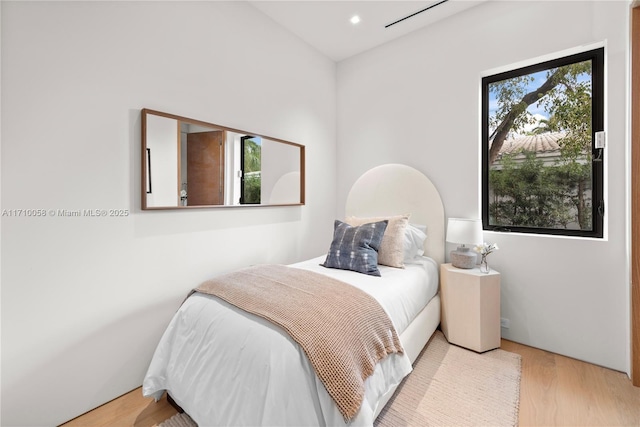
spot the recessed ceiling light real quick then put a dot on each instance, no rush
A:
(355, 19)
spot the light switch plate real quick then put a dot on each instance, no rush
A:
(600, 139)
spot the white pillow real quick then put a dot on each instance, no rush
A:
(414, 237)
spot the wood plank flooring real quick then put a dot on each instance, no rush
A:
(128, 410)
(560, 391)
(555, 391)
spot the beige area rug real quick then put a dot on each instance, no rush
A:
(178, 420)
(452, 386)
(449, 386)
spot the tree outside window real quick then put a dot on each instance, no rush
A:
(541, 173)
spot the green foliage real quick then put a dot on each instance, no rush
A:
(509, 94)
(545, 126)
(529, 194)
(252, 168)
(252, 185)
(252, 156)
(569, 103)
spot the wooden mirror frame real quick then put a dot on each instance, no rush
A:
(145, 162)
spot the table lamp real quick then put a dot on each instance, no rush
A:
(464, 231)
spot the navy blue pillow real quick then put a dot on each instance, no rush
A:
(356, 248)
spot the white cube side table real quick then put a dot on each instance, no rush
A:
(470, 302)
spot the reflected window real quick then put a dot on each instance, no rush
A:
(251, 164)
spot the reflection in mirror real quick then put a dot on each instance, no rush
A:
(189, 163)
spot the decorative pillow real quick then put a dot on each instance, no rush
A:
(356, 248)
(414, 237)
(391, 251)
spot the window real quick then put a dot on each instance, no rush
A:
(251, 164)
(541, 172)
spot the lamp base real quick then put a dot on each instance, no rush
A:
(463, 257)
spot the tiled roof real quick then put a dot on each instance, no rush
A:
(545, 142)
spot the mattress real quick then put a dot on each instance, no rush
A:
(403, 293)
(224, 366)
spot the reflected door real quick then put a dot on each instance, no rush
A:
(205, 168)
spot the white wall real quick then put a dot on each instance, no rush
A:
(278, 159)
(162, 142)
(417, 101)
(85, 299)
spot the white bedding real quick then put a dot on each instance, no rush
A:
(401, 292)
(224, 366)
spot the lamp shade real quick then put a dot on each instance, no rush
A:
(464, 231)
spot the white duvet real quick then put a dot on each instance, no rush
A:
(224, 366)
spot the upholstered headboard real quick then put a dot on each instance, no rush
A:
(395, 189)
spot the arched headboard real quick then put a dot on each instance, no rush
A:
(395, 189)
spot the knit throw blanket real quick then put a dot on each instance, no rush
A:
(343, 330)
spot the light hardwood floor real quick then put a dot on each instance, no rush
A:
(554, 391)
(560, 391)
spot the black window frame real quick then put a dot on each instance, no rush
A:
(243, 139)
(597, 113)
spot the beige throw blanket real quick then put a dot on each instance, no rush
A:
(343, 330)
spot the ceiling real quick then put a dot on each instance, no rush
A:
(326, 24)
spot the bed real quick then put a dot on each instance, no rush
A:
(225, 366)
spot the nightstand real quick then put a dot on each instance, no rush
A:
(470, 302)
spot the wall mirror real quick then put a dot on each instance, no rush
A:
(188, 163)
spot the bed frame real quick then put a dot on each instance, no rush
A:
(395, 189)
